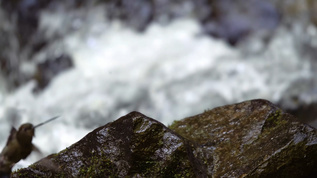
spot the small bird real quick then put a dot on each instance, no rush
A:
(19, 146)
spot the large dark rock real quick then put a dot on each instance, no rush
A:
(134, 145)
(253, 139)
(249, 139)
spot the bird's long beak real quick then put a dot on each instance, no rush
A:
(38, 125)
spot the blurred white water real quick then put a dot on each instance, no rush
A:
(167, 73)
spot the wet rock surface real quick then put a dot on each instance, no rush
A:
(249, 139)
(253, 139)
(133, 145)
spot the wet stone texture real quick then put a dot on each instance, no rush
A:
(248, 139)
(253, 139)
(133, 146)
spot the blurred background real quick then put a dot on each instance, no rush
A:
(94, 61)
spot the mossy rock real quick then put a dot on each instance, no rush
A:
(253, 139)
(248, 139)
(132, 146)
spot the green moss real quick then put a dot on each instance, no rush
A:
(41, 171)
(274, 122)
(275, 118)
(195, 129)
(98, 166)
(174, 125)
(187, 130)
